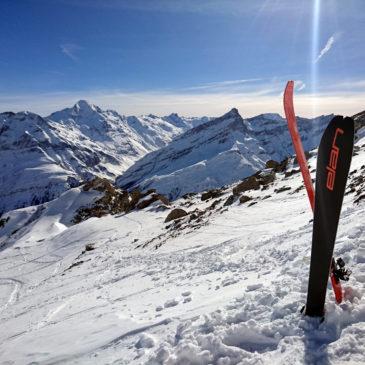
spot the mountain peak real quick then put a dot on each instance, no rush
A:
(232, 113)
(84, 105)
(173, 115)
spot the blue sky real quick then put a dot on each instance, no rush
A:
(194, 57)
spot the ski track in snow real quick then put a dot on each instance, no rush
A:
(227, 293)
(15, 284)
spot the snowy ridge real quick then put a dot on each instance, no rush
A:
(219, 152)
(43, 157)
(223, 285)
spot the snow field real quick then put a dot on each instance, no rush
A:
(227, 293)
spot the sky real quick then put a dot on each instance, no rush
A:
(193, 57)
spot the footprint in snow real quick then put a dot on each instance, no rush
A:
(254, 287)
(145, 341)
(171, 303)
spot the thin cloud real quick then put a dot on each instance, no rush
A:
(189, 103)
(327, 47)
(235, 8)
(222, 84)
(299, 85)
(71, 50)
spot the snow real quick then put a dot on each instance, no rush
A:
(227, 291)
(218, 153)
(43, 157)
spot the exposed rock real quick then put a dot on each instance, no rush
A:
(230, 200)
(249, 183)
(196, 214)
(162, 207)
(291, 172)
(266, 177)
(99, 184)
(271, 164)
(135, 196)
(115, 201)
(277, 166)
(85, 213)
(214, 193)
(154, 197)
(89, 247)
(298, 189)
(359, 119)
(176, 214)
(3, 221)
(214, 204)
(307, 155)
(163, 199)
(188, 195)
(284, 188)
(77, 263)
(361, 197)
(253, 203)
(244, 199)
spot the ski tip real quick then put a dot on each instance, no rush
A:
(288, 97)
(289, 85)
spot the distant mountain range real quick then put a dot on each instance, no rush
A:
(219, 152)
(42, 157)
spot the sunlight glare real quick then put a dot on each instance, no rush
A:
(315, 49)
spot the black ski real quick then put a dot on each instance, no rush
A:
(333, 164)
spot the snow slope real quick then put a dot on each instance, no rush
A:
(225, 289)
(43, 157)
(219, 152)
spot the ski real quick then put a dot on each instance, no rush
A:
(333, 165)
(297, 142)
(298, 147)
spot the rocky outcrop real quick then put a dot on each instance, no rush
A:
(244, 199)
(307, 155)
(153, 198)
(357, 184)
(359, 119)
(214, 193)
(176, 214)
(3, 221)
(230, 200)
(291, 172)
(266, 177)
(277, 166)
(284, 188)
(250, 183)
(115, 201)
(99, 184)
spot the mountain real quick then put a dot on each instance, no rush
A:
(43, 157)
(222, 285)
(219, 152)
(359, 119)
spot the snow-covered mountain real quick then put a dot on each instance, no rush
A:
(43, 157)
(222, 285)
(219, 152)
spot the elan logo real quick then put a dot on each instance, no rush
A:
(332, 164)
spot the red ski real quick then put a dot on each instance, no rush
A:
(298, 147)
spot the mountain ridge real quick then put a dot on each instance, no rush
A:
(218, 152)
(45, 156)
